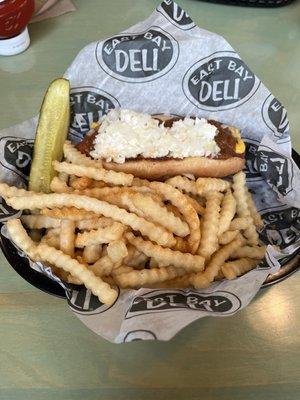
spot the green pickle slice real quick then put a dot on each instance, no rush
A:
(51, 134)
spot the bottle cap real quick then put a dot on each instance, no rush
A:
(15, 45)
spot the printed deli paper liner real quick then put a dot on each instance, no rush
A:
(166, 64)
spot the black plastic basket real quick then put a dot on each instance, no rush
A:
(254, 3)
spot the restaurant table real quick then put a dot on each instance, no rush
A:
(46, 352)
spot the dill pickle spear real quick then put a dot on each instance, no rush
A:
(51, 134)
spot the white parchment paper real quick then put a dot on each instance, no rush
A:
(166, 64)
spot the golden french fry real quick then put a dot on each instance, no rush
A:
(156, 233)
(148, 208)
(92, 253)
(250, 252)
(74, 156)
(117, 250)
(228, 209)
(180, 201)
(45, 253)
(58, 186)
(100, 235)
(232, 269)
(204, 279)
(210, 225)
(240, 194)
(103, 266)
(12, 191)
(82, 183)
(183, 183)
(67, 236)
(72, 279)
(102, 290)
(20, 237)
(39, 221)
(51, 240)
(62, 176)
(228, 237)
(254, 213)
(134, 258)
(239, 223)
(94, 223)
(98, 184)
(71, 213)
(196, 205)
(181, 282)
(167, 256)
(117, 178)
(147, 276)
(205, 185)
(123, 269)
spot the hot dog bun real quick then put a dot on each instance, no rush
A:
(197, 166)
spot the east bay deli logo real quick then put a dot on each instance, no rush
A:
(138, 57)
(161, 301)
(220, 81)
(17, 154)
(176, 15)
(275, 116)
(88, 104)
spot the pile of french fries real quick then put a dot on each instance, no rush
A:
(104, 228)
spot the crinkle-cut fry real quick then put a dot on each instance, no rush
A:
(257, 252)
(58, 186)
(82, 183)
(51, 240)
(74, 156)
(67, 236)
(194, 203)
(166, 256)
(239, 223)
(92, 253)
(94, 223)
(13, 191)
(173, 209)
(180, 201)
(71, 213)
(62, 176)
(104, 266)
(117, 250)
(233, 269)
(204, 279)
(39, 221)
(73, 280)
(153, 263)
(150, 209)
(242, 208)
(254, 213)
(20, 237)
(100, 235)
(123, 269)
(98, 184)
(109, 176)
(205, 185)
(228, 209)
(210, 225)
(228, 237)
(183, 183)
(134, 258)
(147, 276)
(102, 290)
(154, 232)
(181, 282)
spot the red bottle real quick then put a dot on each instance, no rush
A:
(14, 17)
